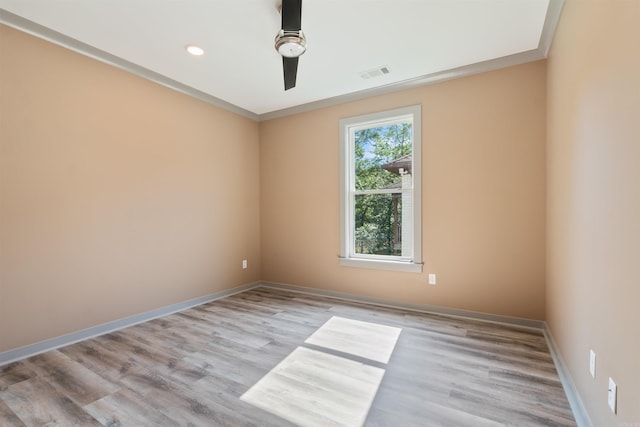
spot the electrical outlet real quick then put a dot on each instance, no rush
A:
(612, 396)
(592, 363)
(244, 264)
(432, 279)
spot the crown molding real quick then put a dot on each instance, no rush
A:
(12, 20)
(428, 79)
(550, 25)
(546, 38)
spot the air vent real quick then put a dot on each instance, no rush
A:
(376, 72)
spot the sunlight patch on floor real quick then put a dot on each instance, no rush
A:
(311, 387)
(365, 339)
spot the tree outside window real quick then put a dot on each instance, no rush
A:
(383, 161)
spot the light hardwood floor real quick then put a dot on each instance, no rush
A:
(277, 358)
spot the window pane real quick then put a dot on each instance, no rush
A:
(382, 155)
(378, 222)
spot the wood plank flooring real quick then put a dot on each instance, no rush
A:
(243, 361)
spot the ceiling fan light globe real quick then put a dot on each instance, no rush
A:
(291, 50)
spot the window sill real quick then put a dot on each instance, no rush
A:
(409, 267)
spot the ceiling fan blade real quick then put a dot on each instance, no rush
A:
(291, 15)
(290, 68)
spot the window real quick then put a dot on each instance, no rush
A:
(380, 224)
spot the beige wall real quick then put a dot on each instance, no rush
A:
(483, 196)
(117, 195)
(593, 289)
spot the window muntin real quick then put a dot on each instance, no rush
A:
(380, 198)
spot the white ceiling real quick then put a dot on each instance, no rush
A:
(420, 41)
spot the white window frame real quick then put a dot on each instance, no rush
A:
(348, 126)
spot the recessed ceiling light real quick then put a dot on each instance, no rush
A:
(194, 50)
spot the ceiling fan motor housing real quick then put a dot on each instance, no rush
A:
(291, 44)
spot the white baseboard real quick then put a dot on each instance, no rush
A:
(74, 337)
(578, 408)
(422, 308)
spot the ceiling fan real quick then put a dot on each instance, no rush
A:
(290, 41)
